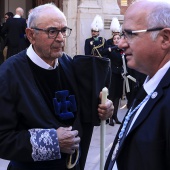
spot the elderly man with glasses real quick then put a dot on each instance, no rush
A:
(39, 99)
(143, 140)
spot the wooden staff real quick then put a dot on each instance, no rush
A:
(103, 131)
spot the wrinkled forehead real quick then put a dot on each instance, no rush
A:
(134, 21)
(51, 16)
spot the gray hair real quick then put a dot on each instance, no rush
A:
(37, 11)
(159, 17)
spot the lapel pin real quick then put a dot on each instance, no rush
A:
(154, 95)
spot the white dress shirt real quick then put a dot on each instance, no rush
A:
(38, 61)
(150, 85)
(17, 16)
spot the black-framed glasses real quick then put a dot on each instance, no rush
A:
(128, 34)
(53, 32)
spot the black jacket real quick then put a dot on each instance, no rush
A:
(93, 47)
(147, 146)
(14, 28)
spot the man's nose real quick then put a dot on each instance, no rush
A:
(122, 43)
(60, 36)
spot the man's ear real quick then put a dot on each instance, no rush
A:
(166, 38)
(30, 35)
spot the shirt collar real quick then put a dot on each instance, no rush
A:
(38, 61)
(17, 16)
(151, 84)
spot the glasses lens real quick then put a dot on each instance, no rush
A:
(66, 32)
(53, 33)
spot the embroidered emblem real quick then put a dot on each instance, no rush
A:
(64, 105)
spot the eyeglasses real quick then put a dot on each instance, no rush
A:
(53, 32)
(128, 34)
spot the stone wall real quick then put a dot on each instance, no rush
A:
(124, 8)
(87, 10)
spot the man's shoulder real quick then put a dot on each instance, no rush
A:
(15, 21)
(89, 39)
(15, 62)
(110, 40)
(23, 20)
(102, 38)
(19, 57)
(65, 57)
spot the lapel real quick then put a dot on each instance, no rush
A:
(91, 41)
(165, 82)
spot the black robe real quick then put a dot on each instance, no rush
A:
(23, 106)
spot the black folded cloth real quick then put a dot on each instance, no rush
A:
(92, 74)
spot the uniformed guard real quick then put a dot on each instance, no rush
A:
(115, 55)
(95, 45)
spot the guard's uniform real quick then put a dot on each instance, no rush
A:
(95, 46)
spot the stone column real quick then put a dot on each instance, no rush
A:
(87, 10)
(88, 4)
(80, 17)
(110, 9)
(70, 10)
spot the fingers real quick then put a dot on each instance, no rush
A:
(75, 145)
(68, 140)
(66, 132)
(105, 111)
(72, 146)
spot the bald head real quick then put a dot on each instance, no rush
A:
(146, 40)
(149, 14)
(20, 11)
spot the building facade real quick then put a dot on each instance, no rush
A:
(79, 13)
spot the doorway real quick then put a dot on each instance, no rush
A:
(59, 3)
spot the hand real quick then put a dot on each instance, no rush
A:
(105, 111)
(68, 139)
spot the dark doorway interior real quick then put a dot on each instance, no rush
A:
(58, 3)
